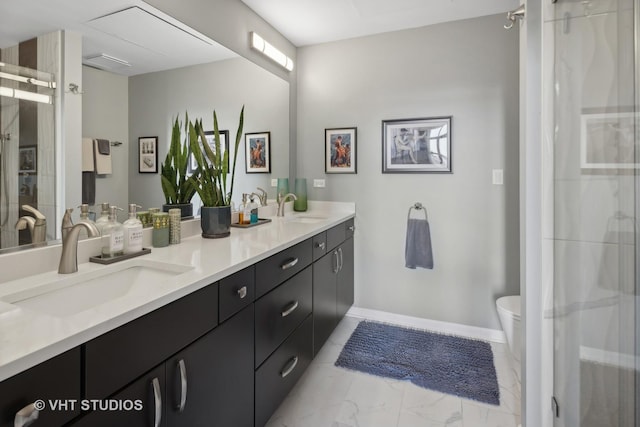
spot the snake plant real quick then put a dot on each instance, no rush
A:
(210, 181)
(176, 185)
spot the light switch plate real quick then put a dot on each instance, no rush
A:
(274, 182)
(318, 183)
(497, 177)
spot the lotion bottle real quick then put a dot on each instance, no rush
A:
(84, 217)
(132, 231)
(113, 235)
(104, 217)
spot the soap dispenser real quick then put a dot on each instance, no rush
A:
(84, 217)
(132, 231)
(112, 235)
(253, 209)
(243, 218)
(104, 217)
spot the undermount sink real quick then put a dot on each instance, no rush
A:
(306, 219)
(71, 294)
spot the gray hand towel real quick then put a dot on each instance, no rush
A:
(89, 188)
(104, 146)
(418, 251)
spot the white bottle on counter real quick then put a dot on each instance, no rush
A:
(132, 231)
(112, 235)
(104, 217)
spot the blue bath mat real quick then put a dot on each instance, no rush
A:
(444, 363)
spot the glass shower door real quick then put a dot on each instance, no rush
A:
(595, 195)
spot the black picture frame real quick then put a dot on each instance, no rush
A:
(210, 135)
(148, 154)
(421, 145)
(257, 147)
(340, 150)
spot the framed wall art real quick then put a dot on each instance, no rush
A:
(148, 154)
(28, 158)
(211, 141)
(340, 150)
(417, 145)
(258, 152)
(607, 141)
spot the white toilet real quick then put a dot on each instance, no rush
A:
(509, 314)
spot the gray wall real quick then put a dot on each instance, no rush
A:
(105, 114)
(155, 99)
(467, 69)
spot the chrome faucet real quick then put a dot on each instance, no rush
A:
(283, 201)
(69, 257)
(262, 196)
(37, 224)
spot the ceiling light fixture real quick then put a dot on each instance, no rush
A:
(261, 45)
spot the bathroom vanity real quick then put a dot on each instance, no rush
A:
(220, 343)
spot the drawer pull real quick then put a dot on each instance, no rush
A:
(341, 258)
(351, 228)
(242, 292)
(183, 385)
(157, 399)
(287, 265)
(321, 245)
(335, 254)
(26, 416)
(290, 309)
(289, 367)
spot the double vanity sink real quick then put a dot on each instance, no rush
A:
(44, 314)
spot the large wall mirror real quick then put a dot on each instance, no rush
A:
(139, 70)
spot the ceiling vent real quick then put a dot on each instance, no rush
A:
(106, 62)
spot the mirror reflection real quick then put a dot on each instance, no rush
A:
(120, 104)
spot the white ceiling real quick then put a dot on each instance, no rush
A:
(141, 35)
(306, 22)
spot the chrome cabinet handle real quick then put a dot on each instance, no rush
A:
(26, 416)
(351, 228)
(337, 268)
(321, 245)
(341, 259)
(183, 385)
(157, 398)
(289, 367)
(290, 309)
(289, 264)
(242, 292)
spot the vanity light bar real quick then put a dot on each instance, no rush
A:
(261, 45)
(23, 94)
(30, 80)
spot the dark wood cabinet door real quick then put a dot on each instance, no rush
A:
(345, 288)
(57, 379)
(116, 358)
(324, 298)
(210, 383)
(144, 400)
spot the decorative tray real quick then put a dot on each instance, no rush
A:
(111, 260)
(260, 221)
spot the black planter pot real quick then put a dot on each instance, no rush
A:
(215, 221)
(186, 209)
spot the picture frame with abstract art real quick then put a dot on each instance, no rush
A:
(211, 141)
(607, 142)
(148, 154)
(257, 152)
(417, 145)
(340, 150)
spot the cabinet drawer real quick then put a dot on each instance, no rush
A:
(116, 358)
(236, 292)
(319, 245)
(282, 370)
(281, 311)
(56, 379)
(335, 236)
(279, 267)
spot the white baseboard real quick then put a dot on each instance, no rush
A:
(467, 331)
(610, 358)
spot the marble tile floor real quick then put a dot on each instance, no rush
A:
(328, 396)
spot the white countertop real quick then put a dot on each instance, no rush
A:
(29, 337)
